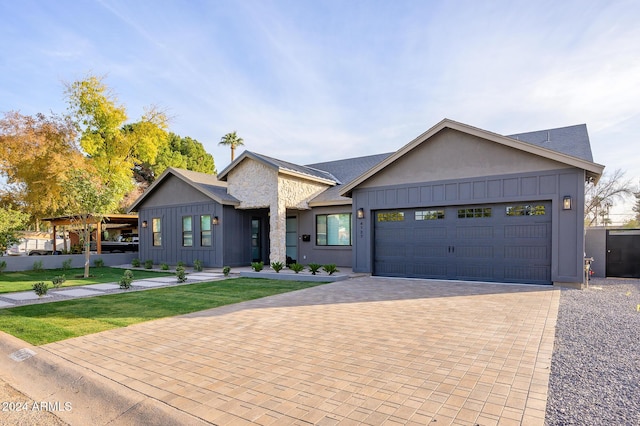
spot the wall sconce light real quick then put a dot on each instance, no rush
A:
(144, 224)
(360, 213)
(566, 202)
(215, 220)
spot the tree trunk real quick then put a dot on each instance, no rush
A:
(87, 248)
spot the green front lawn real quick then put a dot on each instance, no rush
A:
(22, 281)
(49, 322)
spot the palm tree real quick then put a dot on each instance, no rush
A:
(233, 141)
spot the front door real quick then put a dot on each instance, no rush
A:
(292, 239)
(256, 240)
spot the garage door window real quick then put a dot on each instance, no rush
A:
(475, 212)
(391, 217)
(429, 214)
(526, 210)
(333, 229)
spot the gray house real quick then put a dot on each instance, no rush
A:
(457, 202)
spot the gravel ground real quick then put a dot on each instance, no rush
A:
(595, 368)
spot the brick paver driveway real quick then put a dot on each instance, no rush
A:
(363, 351)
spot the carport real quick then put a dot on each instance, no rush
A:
(121, 221)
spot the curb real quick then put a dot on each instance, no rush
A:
(78, 395)
(294, 277)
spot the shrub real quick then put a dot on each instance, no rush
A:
(98, 263)
(135, 263)
(37, 266)
(180, 263)
(58, 281)
(41, 288)
(226, 270)
(126, 280)
(314, 268)
(66, 265)
(164, 266)
(197, 265)
(330, 268)
(180, 274)
(148, 264)
(277, 266)
(3, 266)
(257, 266)
(296, 267)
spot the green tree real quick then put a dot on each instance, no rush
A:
(11, 222)
(35, 153)
(179, 152)
(233, 141)
(113, 148)
(88, 200)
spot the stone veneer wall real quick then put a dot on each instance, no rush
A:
(260, 186)
(254, 184)
(293, 193)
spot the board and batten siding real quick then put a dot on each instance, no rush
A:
(551, 185)
(171, 251)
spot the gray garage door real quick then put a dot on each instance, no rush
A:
(497, 242)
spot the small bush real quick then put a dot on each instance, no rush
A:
(135, 263)
(3, 266)
(164, 266)
(37, 266)
(296, 267)
(58, 281)
(330, 268)
(197, 265)
(98, 263)
(148, 264)
(66, 265)
(126, 280)
(226, 270)
(180, 274)
(180, 263)
(41, 288)
(277, 266)
(257, 266)
(314, 268)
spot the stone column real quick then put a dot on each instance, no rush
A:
(278, 232)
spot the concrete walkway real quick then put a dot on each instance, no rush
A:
(10, 300)
(362, 351)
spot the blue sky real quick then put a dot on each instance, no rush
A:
(308, 81)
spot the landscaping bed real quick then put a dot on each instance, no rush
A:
(595, 368)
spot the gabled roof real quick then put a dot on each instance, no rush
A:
(593, 170)
(283, 167)
(345, 170)
(571, 140)
(207, 184)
